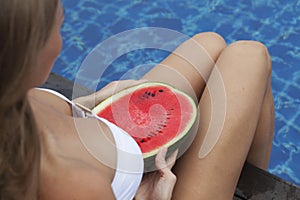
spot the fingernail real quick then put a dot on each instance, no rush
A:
(164, 148)
(177, 150)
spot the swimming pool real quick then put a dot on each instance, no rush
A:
(276, 23)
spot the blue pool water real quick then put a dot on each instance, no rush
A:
(276, 23)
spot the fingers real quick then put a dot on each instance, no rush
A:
(167, 178)
(171, 160)
(162, 163)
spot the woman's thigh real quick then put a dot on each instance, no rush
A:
(189, 66)
(211, 167)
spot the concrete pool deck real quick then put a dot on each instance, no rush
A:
(254, 183)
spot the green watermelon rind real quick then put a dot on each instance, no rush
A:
(128, 90)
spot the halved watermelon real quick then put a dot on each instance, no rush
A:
(154, 114)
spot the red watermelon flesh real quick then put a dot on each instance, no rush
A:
(154, 114)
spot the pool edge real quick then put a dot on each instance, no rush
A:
(253, 183)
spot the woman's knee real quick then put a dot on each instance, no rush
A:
(254, 50)
(211, 38)
(211, 41)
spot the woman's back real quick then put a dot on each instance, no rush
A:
(67, 168)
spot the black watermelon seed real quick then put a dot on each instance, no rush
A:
(153, 95)
(161, 90)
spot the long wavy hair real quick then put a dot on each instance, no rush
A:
(25, 26)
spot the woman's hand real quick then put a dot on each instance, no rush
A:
(94, 99)
(159, 185)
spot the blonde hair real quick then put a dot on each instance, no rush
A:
(25, 26)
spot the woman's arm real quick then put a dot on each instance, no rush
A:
(159, 185)
(94, 99)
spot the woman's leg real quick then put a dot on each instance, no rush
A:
(189, 66)
(245, 68)
(260, 151)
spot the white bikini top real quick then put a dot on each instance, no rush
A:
(130, 164)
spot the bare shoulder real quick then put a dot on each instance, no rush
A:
(48, 99)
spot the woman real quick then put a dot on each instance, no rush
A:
(42, 156)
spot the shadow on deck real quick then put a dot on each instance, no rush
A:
(254, 183)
